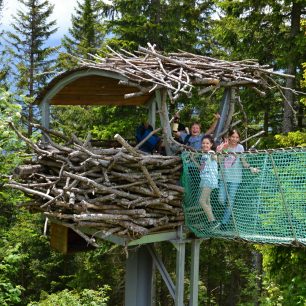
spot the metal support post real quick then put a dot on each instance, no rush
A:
(45, 113)
(138, 279)
(162, 270)
(152, 113)
(194, 272)
(180, 273)
(223, 113)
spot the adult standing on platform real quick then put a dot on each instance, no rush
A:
(194, 139)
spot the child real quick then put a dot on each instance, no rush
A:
(231, 173)
(209, 178)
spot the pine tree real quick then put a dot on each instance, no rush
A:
(270, 31)
(32, 58)
(170, 25)
(86, 34)
(3, 64)
(1, 8)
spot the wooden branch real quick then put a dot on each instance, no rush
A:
(28, 190)
(142, 167)
(78, 185)
(23, 171)
(253, 136)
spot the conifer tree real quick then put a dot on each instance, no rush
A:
(170, 25)
(86, 34)
(3, 64)
(32, 58)
(270, 31)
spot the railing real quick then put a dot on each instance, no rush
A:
(270, 202)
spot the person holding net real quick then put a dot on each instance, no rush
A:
(231, 173)
(209, 178)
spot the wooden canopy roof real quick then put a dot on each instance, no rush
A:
(91, 86)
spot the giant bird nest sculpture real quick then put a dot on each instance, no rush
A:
(121, 191)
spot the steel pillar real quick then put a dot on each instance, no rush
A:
(224, 108)
(194, 272)
(138, 278)
(139, 274)
(45, 113)
(152, 113)
(180, 273)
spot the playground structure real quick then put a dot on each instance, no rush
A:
(279, 200)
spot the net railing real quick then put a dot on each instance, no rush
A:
(254, 196)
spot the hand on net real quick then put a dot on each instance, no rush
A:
(254, 170)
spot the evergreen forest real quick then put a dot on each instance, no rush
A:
(231, 273)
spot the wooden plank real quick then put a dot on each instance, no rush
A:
(59, 237)
(98, 100)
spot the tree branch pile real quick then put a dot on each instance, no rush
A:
(118, 190)
(180, 72)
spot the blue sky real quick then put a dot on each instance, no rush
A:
(62, 14)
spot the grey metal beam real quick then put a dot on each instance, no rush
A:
(152, 113)
(224, 108)
(180, 273)
(45, 113)
(194, 272)
(151, 238)
(162, 270)
(164, 118)
(138, 277)
(157, 237)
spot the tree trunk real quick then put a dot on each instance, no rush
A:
(289, 117)
(258, 267)
(266, 118)
(288, 120)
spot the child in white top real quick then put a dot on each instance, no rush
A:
(231, 172)
(209, 177)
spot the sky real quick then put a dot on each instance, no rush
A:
(61, 13)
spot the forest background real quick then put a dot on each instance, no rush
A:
(231, 273)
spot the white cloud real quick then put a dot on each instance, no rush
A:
(63, 9)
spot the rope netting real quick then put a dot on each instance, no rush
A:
(258, 196)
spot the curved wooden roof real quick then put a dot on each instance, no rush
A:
(91, 86)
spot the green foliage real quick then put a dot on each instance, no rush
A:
(170, 25)
(27, 261)
(102, 122)
(284, 279)
(268, 31)
(9, 112)
(11, 149)
(31, 58)
(86, 34)
(292, 139)
(86, 297)
(10, 294)
(228, 273)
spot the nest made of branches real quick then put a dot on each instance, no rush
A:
(180, 72)
(120, 191)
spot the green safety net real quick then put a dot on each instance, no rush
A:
(269, 205)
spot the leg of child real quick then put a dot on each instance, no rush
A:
(205, 203)
(222, 194)
(232, 190)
